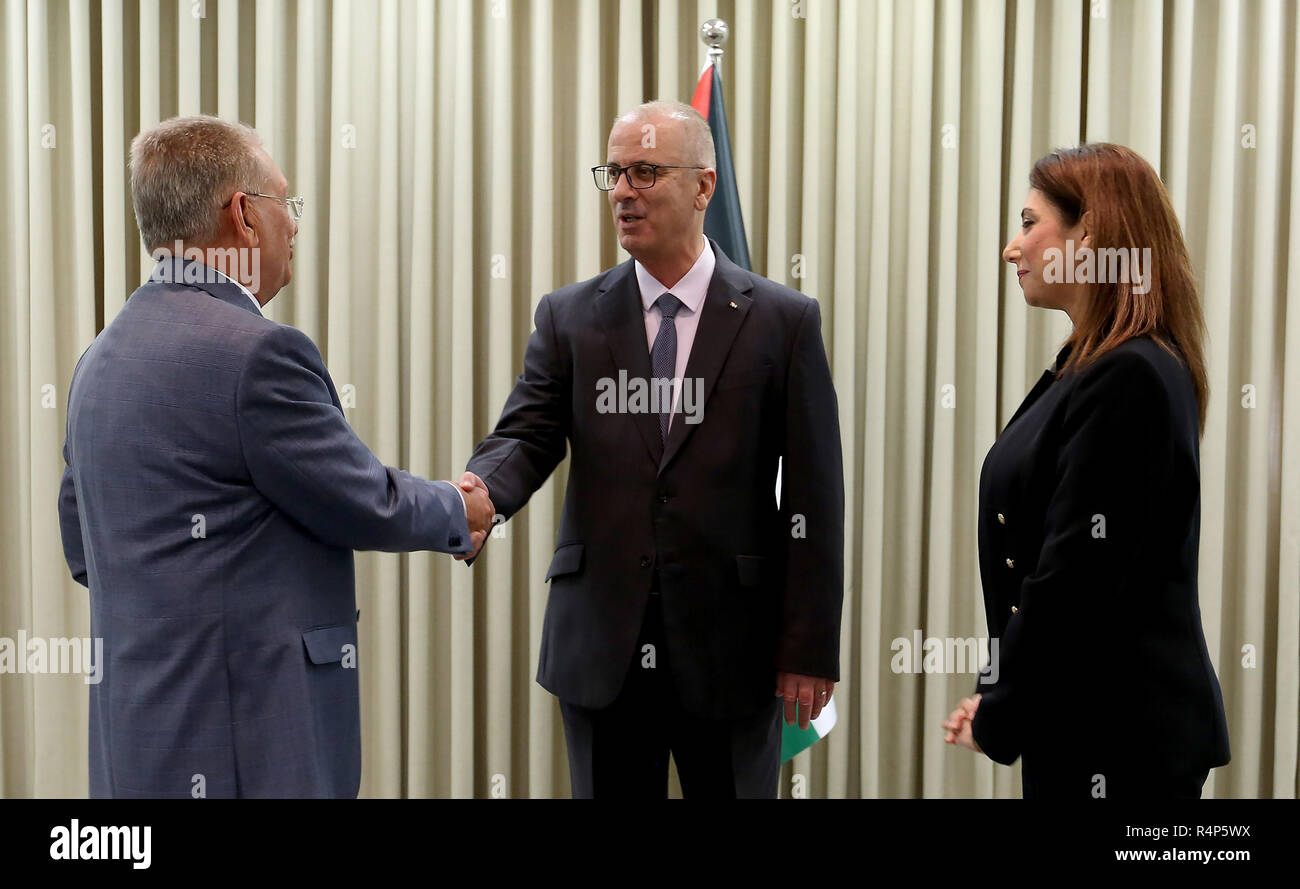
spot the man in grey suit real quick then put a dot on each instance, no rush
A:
(213, 496)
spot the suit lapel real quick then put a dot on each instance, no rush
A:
(1044, 382)
(621, 317)
(724, 310)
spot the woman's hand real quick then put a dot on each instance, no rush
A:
(959, 724)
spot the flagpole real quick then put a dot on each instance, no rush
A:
(713, 34)
(722, 221)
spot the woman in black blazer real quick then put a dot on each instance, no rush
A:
(1089, 520)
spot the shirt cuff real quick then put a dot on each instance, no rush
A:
(463, 504)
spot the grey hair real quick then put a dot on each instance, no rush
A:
(699, 138)
(183, 169)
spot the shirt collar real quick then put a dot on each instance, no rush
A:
(691, 289)
(248, 293)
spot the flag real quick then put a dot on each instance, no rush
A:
(722, 221)
(796, 740)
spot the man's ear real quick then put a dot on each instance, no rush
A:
(243, 220)
(708, 182)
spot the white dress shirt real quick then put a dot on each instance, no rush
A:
(691, 290)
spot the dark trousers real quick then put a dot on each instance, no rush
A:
(621, 751)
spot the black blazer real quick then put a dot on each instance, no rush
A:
(748, 589)
(1088, 533)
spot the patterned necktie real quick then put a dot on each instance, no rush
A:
(663, 355)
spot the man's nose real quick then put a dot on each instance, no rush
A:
(623, 191)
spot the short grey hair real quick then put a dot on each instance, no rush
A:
(699, 138)
(184, 169)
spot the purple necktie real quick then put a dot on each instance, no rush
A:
(663, 355)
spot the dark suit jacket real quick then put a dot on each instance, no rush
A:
(1088, 532)
(748, 589)
(213, 496)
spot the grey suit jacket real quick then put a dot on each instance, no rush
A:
(213, 496)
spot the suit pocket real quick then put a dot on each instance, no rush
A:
(750, 570)
(326, 645)
(567, 560)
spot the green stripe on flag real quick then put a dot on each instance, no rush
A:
(795, 740)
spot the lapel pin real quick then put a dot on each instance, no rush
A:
(733, 304)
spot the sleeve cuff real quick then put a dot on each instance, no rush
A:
(463, 505)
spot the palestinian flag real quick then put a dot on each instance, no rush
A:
(723, 223)
(796, 740)
(722, 220)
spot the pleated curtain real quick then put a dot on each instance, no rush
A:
(882, 151)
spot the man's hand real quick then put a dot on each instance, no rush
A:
(478, 505)
(809, 692)
(481, 512)
(959, 724)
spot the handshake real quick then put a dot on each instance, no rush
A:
(479, 511)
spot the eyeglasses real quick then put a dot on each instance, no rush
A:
(295, 204)
(638, 175)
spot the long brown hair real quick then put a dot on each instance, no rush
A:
(1128, 208)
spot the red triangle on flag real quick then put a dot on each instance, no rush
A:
(703, 92)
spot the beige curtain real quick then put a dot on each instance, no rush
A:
(882, 150)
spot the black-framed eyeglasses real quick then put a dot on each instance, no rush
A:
(638, 175)
(295, 204)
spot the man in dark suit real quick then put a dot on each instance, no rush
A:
(213, 496)
(682, 596)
